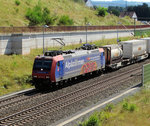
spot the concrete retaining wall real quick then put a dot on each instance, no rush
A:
(22, 43)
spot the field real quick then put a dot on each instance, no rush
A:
(77, 12)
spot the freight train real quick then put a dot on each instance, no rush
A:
(57, 66)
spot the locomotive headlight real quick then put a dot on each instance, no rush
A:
(47, 77)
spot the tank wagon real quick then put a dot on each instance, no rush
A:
(56, 66)
(113, 55)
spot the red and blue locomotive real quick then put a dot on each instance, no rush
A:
(56, 66)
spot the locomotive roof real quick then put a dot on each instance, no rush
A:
(80, 53)
(70, 53)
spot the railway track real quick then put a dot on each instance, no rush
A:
(58, 103)
(22, 97)
(18, 99)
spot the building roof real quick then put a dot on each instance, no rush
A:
(88, 3)
(131, 14)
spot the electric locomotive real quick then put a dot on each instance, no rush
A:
(56, 66)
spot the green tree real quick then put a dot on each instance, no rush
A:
(115, 12)
(120, 9)
(142, 11)
(101, 11)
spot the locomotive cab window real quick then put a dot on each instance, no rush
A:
(42, 64)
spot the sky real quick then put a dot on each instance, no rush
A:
(126, 0)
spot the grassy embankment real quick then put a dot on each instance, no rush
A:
(13, 14)
(133, 111)
(15, 70)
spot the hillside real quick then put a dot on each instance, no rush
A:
(12, 14)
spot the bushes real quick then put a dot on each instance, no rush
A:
(48, 20)
(98, 118)
(101, 11)
(109, 107)
(39, 16)
(65, 20)
(129, 107)
(17, 2)
(115, 12)
(92, 121)
(34, 15)
(108, 114)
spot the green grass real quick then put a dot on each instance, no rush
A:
(13, 14)
(15, 72)
(133, 111)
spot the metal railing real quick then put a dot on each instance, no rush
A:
(64, 28)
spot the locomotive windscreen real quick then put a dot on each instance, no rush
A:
(42, 64)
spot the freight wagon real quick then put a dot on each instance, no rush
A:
(134, 50)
